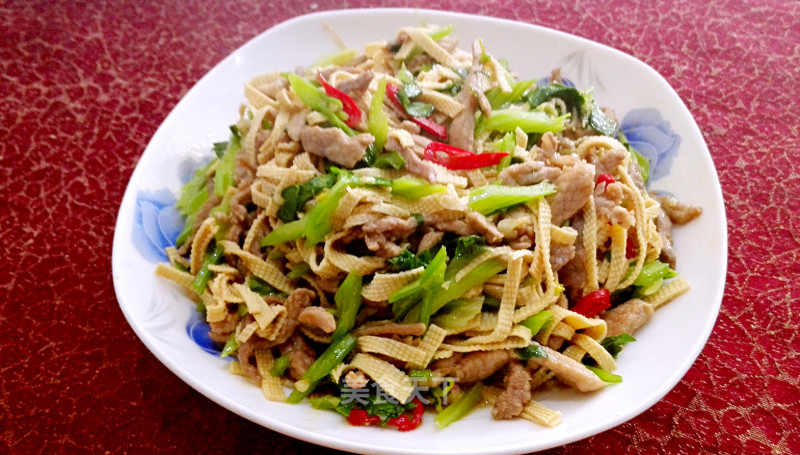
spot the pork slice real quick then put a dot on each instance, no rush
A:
(471, 367)
(610, 161)
(627, 317)
(574, 188)
(481, 225)
(528, 173)
(358, 84)
(664, 229)
(414, 164)
(560, 255)
(389, 328)
(568, 371)
(335, 145)
(677, 211)
(297, 300)
(516, 392)
(573, 274)
(318, 317)
(301, 356)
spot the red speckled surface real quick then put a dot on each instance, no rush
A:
(84, 85)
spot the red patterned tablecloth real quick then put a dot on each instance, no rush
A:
(84, 85)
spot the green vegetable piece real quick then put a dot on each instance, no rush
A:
(406, 260)
(200, 281)
(458, 313)
(325, 363)
(223, 176)
(377, 123)
(298, 270)
(532, 350)
(431, 279)
(527, 121)
(492, 198)
(419, 109)
(391, 160)
(600, 122)
(455, 289)
(570, 95)
(652, 272)
(285, 233)
(348, 302)
(461, 407)
(296, 196)
(408, 296)
(467, 248)
(280, 365)
(499, 99)
(241, 310)
(317, 100)
(605, 376)
(615, 344)
(332, 403)
(537, 321)
(414, 188)
(230, 346)
(423, 374)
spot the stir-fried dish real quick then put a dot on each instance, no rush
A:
(413, 226)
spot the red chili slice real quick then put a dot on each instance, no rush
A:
(348, 104)
(605, 178)
(459, 159)
(425, 123)
(403, 423)
(360, 417)
(593, 303)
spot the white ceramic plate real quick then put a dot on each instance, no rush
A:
(653, 115)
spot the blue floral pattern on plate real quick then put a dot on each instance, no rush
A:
(652, 137)
(197, 329)
(157, 224)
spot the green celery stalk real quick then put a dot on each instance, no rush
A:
(605, 376)
(498, 99)
(223, 176)
(443, 295)
(413, 188)
(537, 321)
(312, 97)
(319, 217)
(432, 278)
(458, 312)
(348, 302)
(280, 365)
(408, 296)
(230, 346)
(203, 275)
(377, 123)
(528, 121)
(652, 272)
(333, 356)
(475, 277)
(298, 270)
(285, 233)
(492, 198)
(461, 407)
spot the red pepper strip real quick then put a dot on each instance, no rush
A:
(605, 178)
(403, 423)
(425, 123)
(360, 417)
(459, 159)
(630, 249)
(593, 303)
(348, 104)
